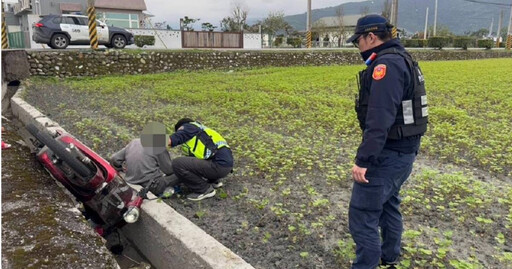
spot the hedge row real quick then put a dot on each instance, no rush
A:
(415, 43)
(141, 40)
(440, 42)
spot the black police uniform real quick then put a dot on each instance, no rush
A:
(386, 102)
(192, 171)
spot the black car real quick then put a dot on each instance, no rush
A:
(59, 31)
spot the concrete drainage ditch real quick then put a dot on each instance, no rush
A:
(163, 236)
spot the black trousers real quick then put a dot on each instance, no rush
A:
(197, 174)
(159, 184)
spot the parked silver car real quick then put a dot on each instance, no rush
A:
(59, 31)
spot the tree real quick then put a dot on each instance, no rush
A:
(442, 30)
(255, 28)
(273, 23)
(288, 28)
(238, 19)
(503, 34)
(341, 26)
(187, 23)
(208, 26)
(160, 25)
(386, 10)
(478, 33)
(319, 29)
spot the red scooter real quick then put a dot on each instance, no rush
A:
(107, 199)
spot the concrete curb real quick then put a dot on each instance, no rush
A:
(162, 235)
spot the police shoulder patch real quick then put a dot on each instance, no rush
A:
(379, 72)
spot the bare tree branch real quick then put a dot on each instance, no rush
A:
(238, 19)
(341, 26)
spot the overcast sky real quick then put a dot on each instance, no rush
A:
(213, 11)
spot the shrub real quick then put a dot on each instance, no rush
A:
(415, 43)
(410, 43)
(294, 41)
(464, 42)
(141, 40)
(439, 42)
(486, 43)
(278, 41)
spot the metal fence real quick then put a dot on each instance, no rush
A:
(205, 39)
(16, 40)
(314, 44)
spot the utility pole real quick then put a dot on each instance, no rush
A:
(308, 26)
(38, 7)
(500, 23)
(5, 41)
(395, 13)
(261, 37)
(490, 28)
(394, 17)
(426, 23)
(93, 34)
(435, 18)
(509, 31)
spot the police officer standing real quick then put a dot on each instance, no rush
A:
(392, 113)
(208, 159)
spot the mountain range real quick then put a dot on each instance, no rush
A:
(459, 16)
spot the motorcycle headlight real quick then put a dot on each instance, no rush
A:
(132, 215)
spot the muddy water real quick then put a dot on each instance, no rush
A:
(41, 228)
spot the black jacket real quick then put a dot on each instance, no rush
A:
(223, 157)
(386, 95)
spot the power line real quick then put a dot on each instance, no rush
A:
(488, 3)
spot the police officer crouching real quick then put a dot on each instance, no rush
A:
(208, 159)
(392, 113)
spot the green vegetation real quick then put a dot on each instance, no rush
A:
(464, 42)
(486, 43)
(439, 42)
(294, 131)
(470, 206)
(141, 40)
(471, 113)
(415, 43)
(294, 107)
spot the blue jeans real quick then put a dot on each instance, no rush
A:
(377, 204)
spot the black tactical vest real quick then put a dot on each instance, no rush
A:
(412, 114)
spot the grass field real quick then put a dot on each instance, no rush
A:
(294, 135)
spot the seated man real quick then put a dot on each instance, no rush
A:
(147, 161)
(209, 158)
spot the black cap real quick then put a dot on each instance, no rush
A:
(370, 23)
(181, 122)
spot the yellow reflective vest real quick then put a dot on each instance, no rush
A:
(205, 144)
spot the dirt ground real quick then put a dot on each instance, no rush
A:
(41, 228)
(261, 234)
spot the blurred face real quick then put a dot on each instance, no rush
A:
(154, 138)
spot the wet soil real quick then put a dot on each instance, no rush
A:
(41, 227)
